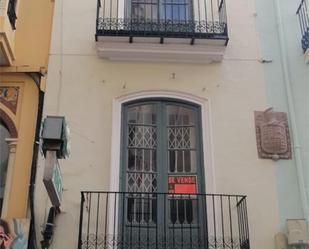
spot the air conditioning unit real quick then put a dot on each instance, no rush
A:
(298, 233)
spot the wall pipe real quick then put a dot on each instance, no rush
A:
(49, 227)
(32, 231)
(291, 108)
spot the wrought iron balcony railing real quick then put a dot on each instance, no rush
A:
(12, 13)
(123, 220)
(303, 14)
(195, 19)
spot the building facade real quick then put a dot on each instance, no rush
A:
(25, 31)
(160, 97)
(283, 28)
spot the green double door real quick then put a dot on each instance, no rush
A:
(162, 175)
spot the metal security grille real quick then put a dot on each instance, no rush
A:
(141, 172)
(181, 129)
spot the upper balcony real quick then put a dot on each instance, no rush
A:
(303, 14)
(127, 220)
(8, 19)
(162, 30)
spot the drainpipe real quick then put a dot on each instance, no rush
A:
(32, 230)
(291, 108)
(49, 227)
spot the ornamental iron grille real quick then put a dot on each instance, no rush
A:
(101, 225)
(303, 14)
(201, 19)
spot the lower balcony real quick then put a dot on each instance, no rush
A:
(160, 30)
(125, 220)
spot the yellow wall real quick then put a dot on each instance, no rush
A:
(25, 122)
(30, 44)
(33, 33)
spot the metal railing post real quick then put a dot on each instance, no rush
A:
(81, 221)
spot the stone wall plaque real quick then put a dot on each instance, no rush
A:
(272, 134)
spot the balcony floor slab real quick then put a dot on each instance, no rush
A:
(153, 49)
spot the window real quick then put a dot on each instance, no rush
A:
(4, 155)
(161, 153)
(12, 13)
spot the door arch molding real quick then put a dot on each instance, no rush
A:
(204, 103)
(8, 122)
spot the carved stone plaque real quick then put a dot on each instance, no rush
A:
(272, 135)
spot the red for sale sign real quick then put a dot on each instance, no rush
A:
(182, 185)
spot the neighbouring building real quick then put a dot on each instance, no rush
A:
(284, 37)
(173, 144)
(25, 32)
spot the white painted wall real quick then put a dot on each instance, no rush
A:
(83, 88)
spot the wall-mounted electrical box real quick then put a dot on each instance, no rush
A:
(298, 233)
(55, 136)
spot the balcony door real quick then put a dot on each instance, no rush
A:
(162, 173)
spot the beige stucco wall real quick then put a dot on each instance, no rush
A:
(25, 123)
(82, 87)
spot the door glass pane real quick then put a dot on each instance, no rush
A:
(141, 171)
(144, 9)
(183, 210)
(143, 114)
(181, 130)
(176, 10)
